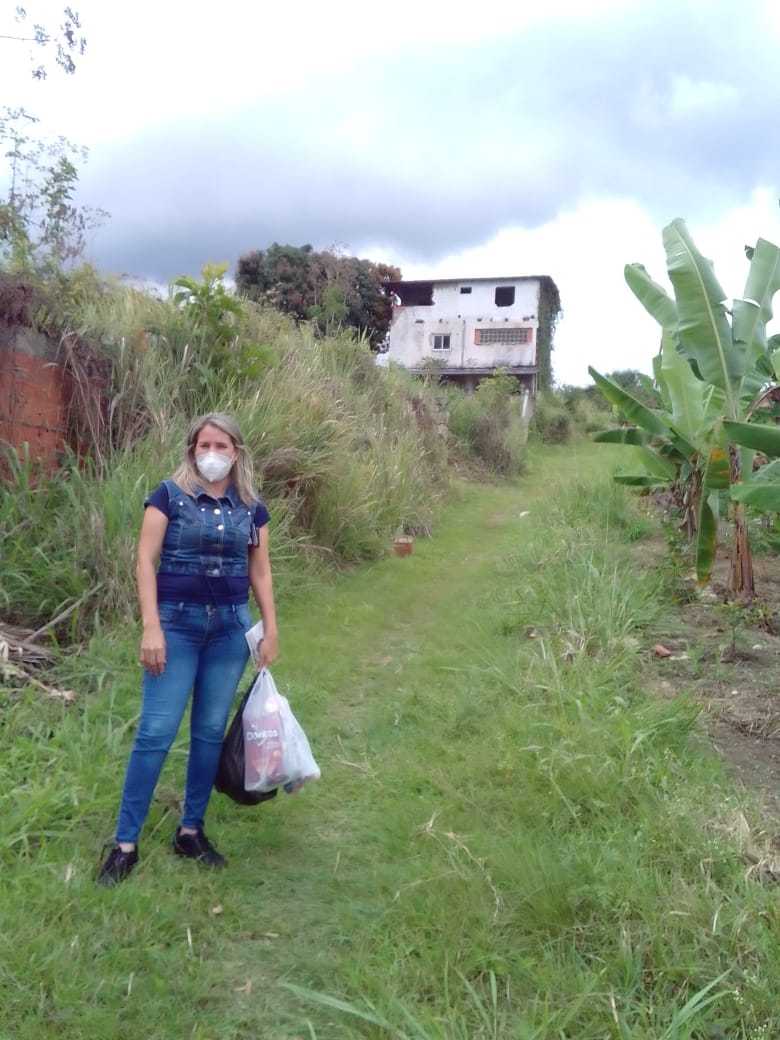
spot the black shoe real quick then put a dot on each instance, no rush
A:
(117, 866)
(198, 847)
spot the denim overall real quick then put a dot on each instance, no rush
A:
(206, 653)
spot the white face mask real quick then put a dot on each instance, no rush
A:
(213, 466)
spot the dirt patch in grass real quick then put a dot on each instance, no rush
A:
(727, 657)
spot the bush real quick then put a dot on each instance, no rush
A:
(488, 425)
(587, 406)
(552, 422)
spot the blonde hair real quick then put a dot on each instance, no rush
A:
(187, 477)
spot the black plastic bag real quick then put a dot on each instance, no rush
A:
(230, 774)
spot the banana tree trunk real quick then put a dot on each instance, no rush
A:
(741, 584)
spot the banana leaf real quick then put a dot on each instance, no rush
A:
(763, 280)
(762, 490)
(636, 438)
(763, 496)
(751, 314)
(657, 464)
(717, 471)
(651, 295)
(640, 480)
(706, 541)
(703, 327)
(770, 472)
(623, 435)
(639, 414)
(689, 400)
(758, 436)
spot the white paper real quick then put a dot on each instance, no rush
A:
(254, 637)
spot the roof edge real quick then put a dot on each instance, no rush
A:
(470, 281)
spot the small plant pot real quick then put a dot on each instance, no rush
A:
(403, 546)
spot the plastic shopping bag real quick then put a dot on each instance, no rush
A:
(276, 751)
(230, 774)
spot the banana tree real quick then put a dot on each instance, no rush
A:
(671, 437)
(727, 352)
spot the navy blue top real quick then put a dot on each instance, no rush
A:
(205, 552)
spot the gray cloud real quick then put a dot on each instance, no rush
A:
(428, 153)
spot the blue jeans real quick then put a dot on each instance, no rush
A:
(206, 653)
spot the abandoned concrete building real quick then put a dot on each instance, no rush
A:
(466, 329)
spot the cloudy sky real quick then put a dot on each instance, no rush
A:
(452, 139)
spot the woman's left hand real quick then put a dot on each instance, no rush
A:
(268, 650)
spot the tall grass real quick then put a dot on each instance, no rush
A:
(510, 838)
(346, 454)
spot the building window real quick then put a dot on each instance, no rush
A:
(465, 289)
(413, 294)
(441, 341)
(502, 335)
(505, 295)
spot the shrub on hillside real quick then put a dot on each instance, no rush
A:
(552, 421)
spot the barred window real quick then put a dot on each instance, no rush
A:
(502, 335)
(441, 341)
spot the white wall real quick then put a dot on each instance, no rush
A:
(459, 314)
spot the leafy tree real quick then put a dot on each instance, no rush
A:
(209, 303)
(326, 287)
(66, 41)
(282, 276)
(331, 310)
(41, 226)
(216, 316)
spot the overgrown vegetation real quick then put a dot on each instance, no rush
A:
(511, 838)
(349, 455)
(548, 316)
(711, 437)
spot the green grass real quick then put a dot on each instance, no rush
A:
(509, 839)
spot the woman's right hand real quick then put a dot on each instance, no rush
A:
(153, 650)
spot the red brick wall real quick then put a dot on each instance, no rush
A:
(33, 396)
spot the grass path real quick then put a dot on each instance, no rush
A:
(455, 872)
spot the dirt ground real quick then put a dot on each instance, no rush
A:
(728, 657)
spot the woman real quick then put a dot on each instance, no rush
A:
(203, 544)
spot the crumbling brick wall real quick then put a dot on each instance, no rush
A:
(33, 395)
